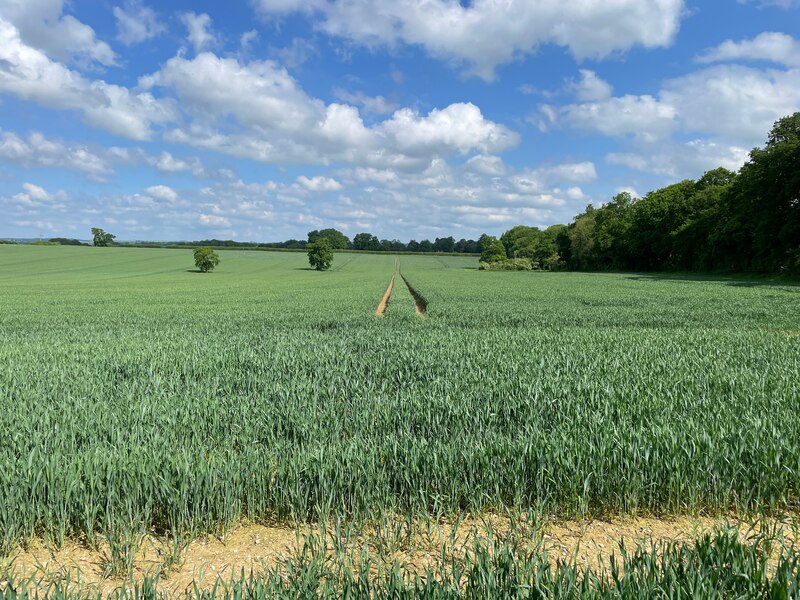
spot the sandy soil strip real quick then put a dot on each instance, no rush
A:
(385, 301)
(261, 547)
(420, 303)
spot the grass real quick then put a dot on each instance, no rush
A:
(138, 395)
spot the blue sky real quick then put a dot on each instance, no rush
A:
(263, 119)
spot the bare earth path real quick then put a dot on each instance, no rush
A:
(385, 300)
(261, 547)
(420, 303)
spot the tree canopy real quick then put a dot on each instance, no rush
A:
(336, 239)
(320, 254)
(205, 259)
(101, 238)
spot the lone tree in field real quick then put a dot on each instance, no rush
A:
(205, 259)
(102, 238)
(320, 254)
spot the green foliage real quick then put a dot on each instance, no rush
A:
(509, 264)
(492, 249)
(336, 239)
(205, 259)
(66, 241)
(320, 254)
(101, 238)
(366, 241)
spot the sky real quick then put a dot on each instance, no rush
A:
(260, 120)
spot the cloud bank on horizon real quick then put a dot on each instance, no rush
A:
(419, 119)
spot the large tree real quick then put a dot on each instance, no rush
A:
(102, 238)
(320, 254)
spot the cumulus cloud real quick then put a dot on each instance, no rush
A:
(644, 117)
(137, 23)
(29, 74)
(42, 25)
(769, 46)
(487, 164)
(377, 105)
(215, 220)
(199, 30)
(36, 150)
(738, 102)
(682, 160)
(319, 183)
(279, 122)
(34, 197)
(590, 87)
(162, 192)
(488, 33)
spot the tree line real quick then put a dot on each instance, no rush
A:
(738, 222)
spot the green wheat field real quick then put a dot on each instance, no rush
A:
(138, 393)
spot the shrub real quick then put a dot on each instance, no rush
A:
(510, 264)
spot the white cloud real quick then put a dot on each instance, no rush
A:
(296, 53)
(319, 183)
(377, 105)
(34, 192)
(137, 23)
(162, 192)
(38, 151)
(460, 127)
(770, 46)
(30, 75)
(33, 198)
(785, 4)
(488, 33)
(167, 163)
(682, 160)
(278, 122)
(735, 101)
(591, 88)
(539, 181)
(644, 117)
(283, 7)
(42, 25)
(199, 30)
(247, 38)
(487, 164)
(215, 220)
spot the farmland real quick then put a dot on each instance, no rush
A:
(138, 394)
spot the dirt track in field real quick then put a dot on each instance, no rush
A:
(385, 300)
(420, 304)
(262, 547)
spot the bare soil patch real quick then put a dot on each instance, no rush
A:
(385, 300)
(417, 546)
(420, 303)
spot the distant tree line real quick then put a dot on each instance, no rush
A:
(361, 241)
